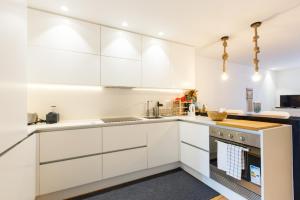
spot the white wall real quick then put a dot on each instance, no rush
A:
(17, 167)
(288, 83)
(231, 94)
(80, 102)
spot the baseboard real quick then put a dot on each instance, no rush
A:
(107, 183)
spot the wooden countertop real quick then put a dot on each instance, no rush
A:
(247, 124)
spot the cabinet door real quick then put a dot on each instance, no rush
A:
(66, 174)
(18, 171)
(57, 32)
(120, 44)
(124, 137)
(120, 72)
(52, 66)
(195, 158)
(156, 63)
(183, 66)
(195, 134)
(124, 162)
(163, 143)
(59, 145)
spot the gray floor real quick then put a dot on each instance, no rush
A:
(176, 185)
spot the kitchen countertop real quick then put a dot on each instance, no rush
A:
(93, 123)
(75, 124)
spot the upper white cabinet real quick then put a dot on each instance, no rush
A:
(120, 44)
(52, 66)
(62, 50)
(121, 58)
(156, 63)
(120, 72)
(183, 66)
(53, 31)
(163, 143)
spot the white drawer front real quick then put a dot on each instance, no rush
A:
(124, 137)
(62, 175)
(195, 134)
(123, 162)
(58, 145)
(195, 158)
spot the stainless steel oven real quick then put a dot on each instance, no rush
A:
(246, 187)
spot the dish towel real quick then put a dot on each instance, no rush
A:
(235, 161)
(222, 155)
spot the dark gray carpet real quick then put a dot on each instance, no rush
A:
(175, 185)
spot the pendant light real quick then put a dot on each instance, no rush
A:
(256, 76)
(224, 57)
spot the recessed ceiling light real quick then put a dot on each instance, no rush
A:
(64, 8)
(161, 33)
(125, 24)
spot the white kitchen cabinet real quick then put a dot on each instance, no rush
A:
(163, 143)
(58, 32)
(156, 66)
(52, 66)
(124, 137)
(57, 145)
(18, 171)
(195, 134)
(124, 162)
(195, 158)
(183, 66)
(120, 72)
(70, 173)
(120, 44)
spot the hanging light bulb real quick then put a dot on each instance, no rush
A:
(256, 77)
(224, 75)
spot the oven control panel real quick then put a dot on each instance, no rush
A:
(235, 136)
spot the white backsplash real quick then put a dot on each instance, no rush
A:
(74, 103)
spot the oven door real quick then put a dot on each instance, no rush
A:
(243, 187)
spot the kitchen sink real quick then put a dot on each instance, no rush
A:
(153, 117)
(120, 119)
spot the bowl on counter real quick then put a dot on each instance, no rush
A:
(216, 115)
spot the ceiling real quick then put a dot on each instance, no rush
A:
(201, 23)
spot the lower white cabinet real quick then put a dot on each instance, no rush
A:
(195, 158)
(123, 162)
(70, 173)
(124, 137)
(163, 143)
(58, 145)
(195, 134)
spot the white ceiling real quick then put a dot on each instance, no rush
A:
(201, 23)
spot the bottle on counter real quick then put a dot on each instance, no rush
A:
(53, 116)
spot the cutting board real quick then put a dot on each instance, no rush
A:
(246, 124)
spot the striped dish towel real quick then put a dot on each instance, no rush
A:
(235, 161)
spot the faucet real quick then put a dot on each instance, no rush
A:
(156, 109)
(148, 109)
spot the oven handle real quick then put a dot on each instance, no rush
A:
(244, 149)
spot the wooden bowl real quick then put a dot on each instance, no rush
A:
(216, 115)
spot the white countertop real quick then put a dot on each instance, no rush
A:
(72, 124)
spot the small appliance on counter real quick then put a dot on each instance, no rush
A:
(52, 117)
(32, 118)
(192, 110)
